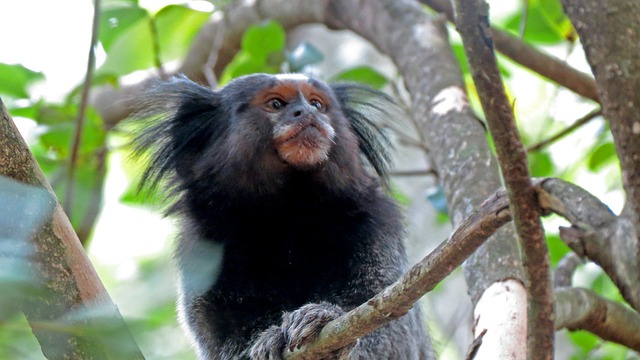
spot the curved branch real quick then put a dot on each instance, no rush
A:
(610, 36)
(596, 233)
(582, 309)
(472, 19)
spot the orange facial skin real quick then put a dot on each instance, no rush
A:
(302, 130)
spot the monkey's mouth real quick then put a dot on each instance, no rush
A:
(304, 144)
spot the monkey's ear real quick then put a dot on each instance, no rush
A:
(179, 119)
(367, 110)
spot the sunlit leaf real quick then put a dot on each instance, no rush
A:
(262, 51)
(603, 285)
(557, 18)
(116, 20)
(557, 248)
(177, 25)
(541, 164)
(16, 79)
(602, 155)
(585, 340)
(537, 27)
(131, 51)
(363, 74)
(262, 39)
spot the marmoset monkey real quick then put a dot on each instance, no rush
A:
(283, 228)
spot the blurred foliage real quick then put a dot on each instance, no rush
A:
(134, 39)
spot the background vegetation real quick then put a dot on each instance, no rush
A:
(89, 169)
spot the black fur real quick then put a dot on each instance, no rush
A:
(269, 253)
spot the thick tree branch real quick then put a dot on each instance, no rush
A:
(582, 309)
(472, 19)
(610, 33)
(546, 65)
(398, 298)
(597, 233)
(69, 294)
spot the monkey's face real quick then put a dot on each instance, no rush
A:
(298, 109)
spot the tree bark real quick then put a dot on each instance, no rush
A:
(69, 310)
(610, 34)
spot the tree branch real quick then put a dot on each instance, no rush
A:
(397, 299)
(546, 65)
(582, 309)
(610, 35)
(69, 294)
(597, 233)
(472, 19)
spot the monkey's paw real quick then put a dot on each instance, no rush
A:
(298, 328)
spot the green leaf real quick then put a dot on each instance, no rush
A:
(363, 74)
(131, 51)
(537, 28)
(262, 51)
(86, 179)
(99, 79)
(177, 26)
(263, 39)
(59, 126)
(557, 248)
(603, 285)
(556, 17)
(115, 20)
(16, 80)
(541, 164)
(602, 155)
(458, 51)
(585, 340)
(303, 55)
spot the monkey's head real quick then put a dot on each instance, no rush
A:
(299, 111)
(259, 130)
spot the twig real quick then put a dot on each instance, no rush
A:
(212, 59)
(580, 122)
(82, 111)
(155, 41)
(472, 19)
(425, 172)
(523, 19)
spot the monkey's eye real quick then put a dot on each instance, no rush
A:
(275, 104)
(317, 104)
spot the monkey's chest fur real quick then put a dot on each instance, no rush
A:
(280, 251)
